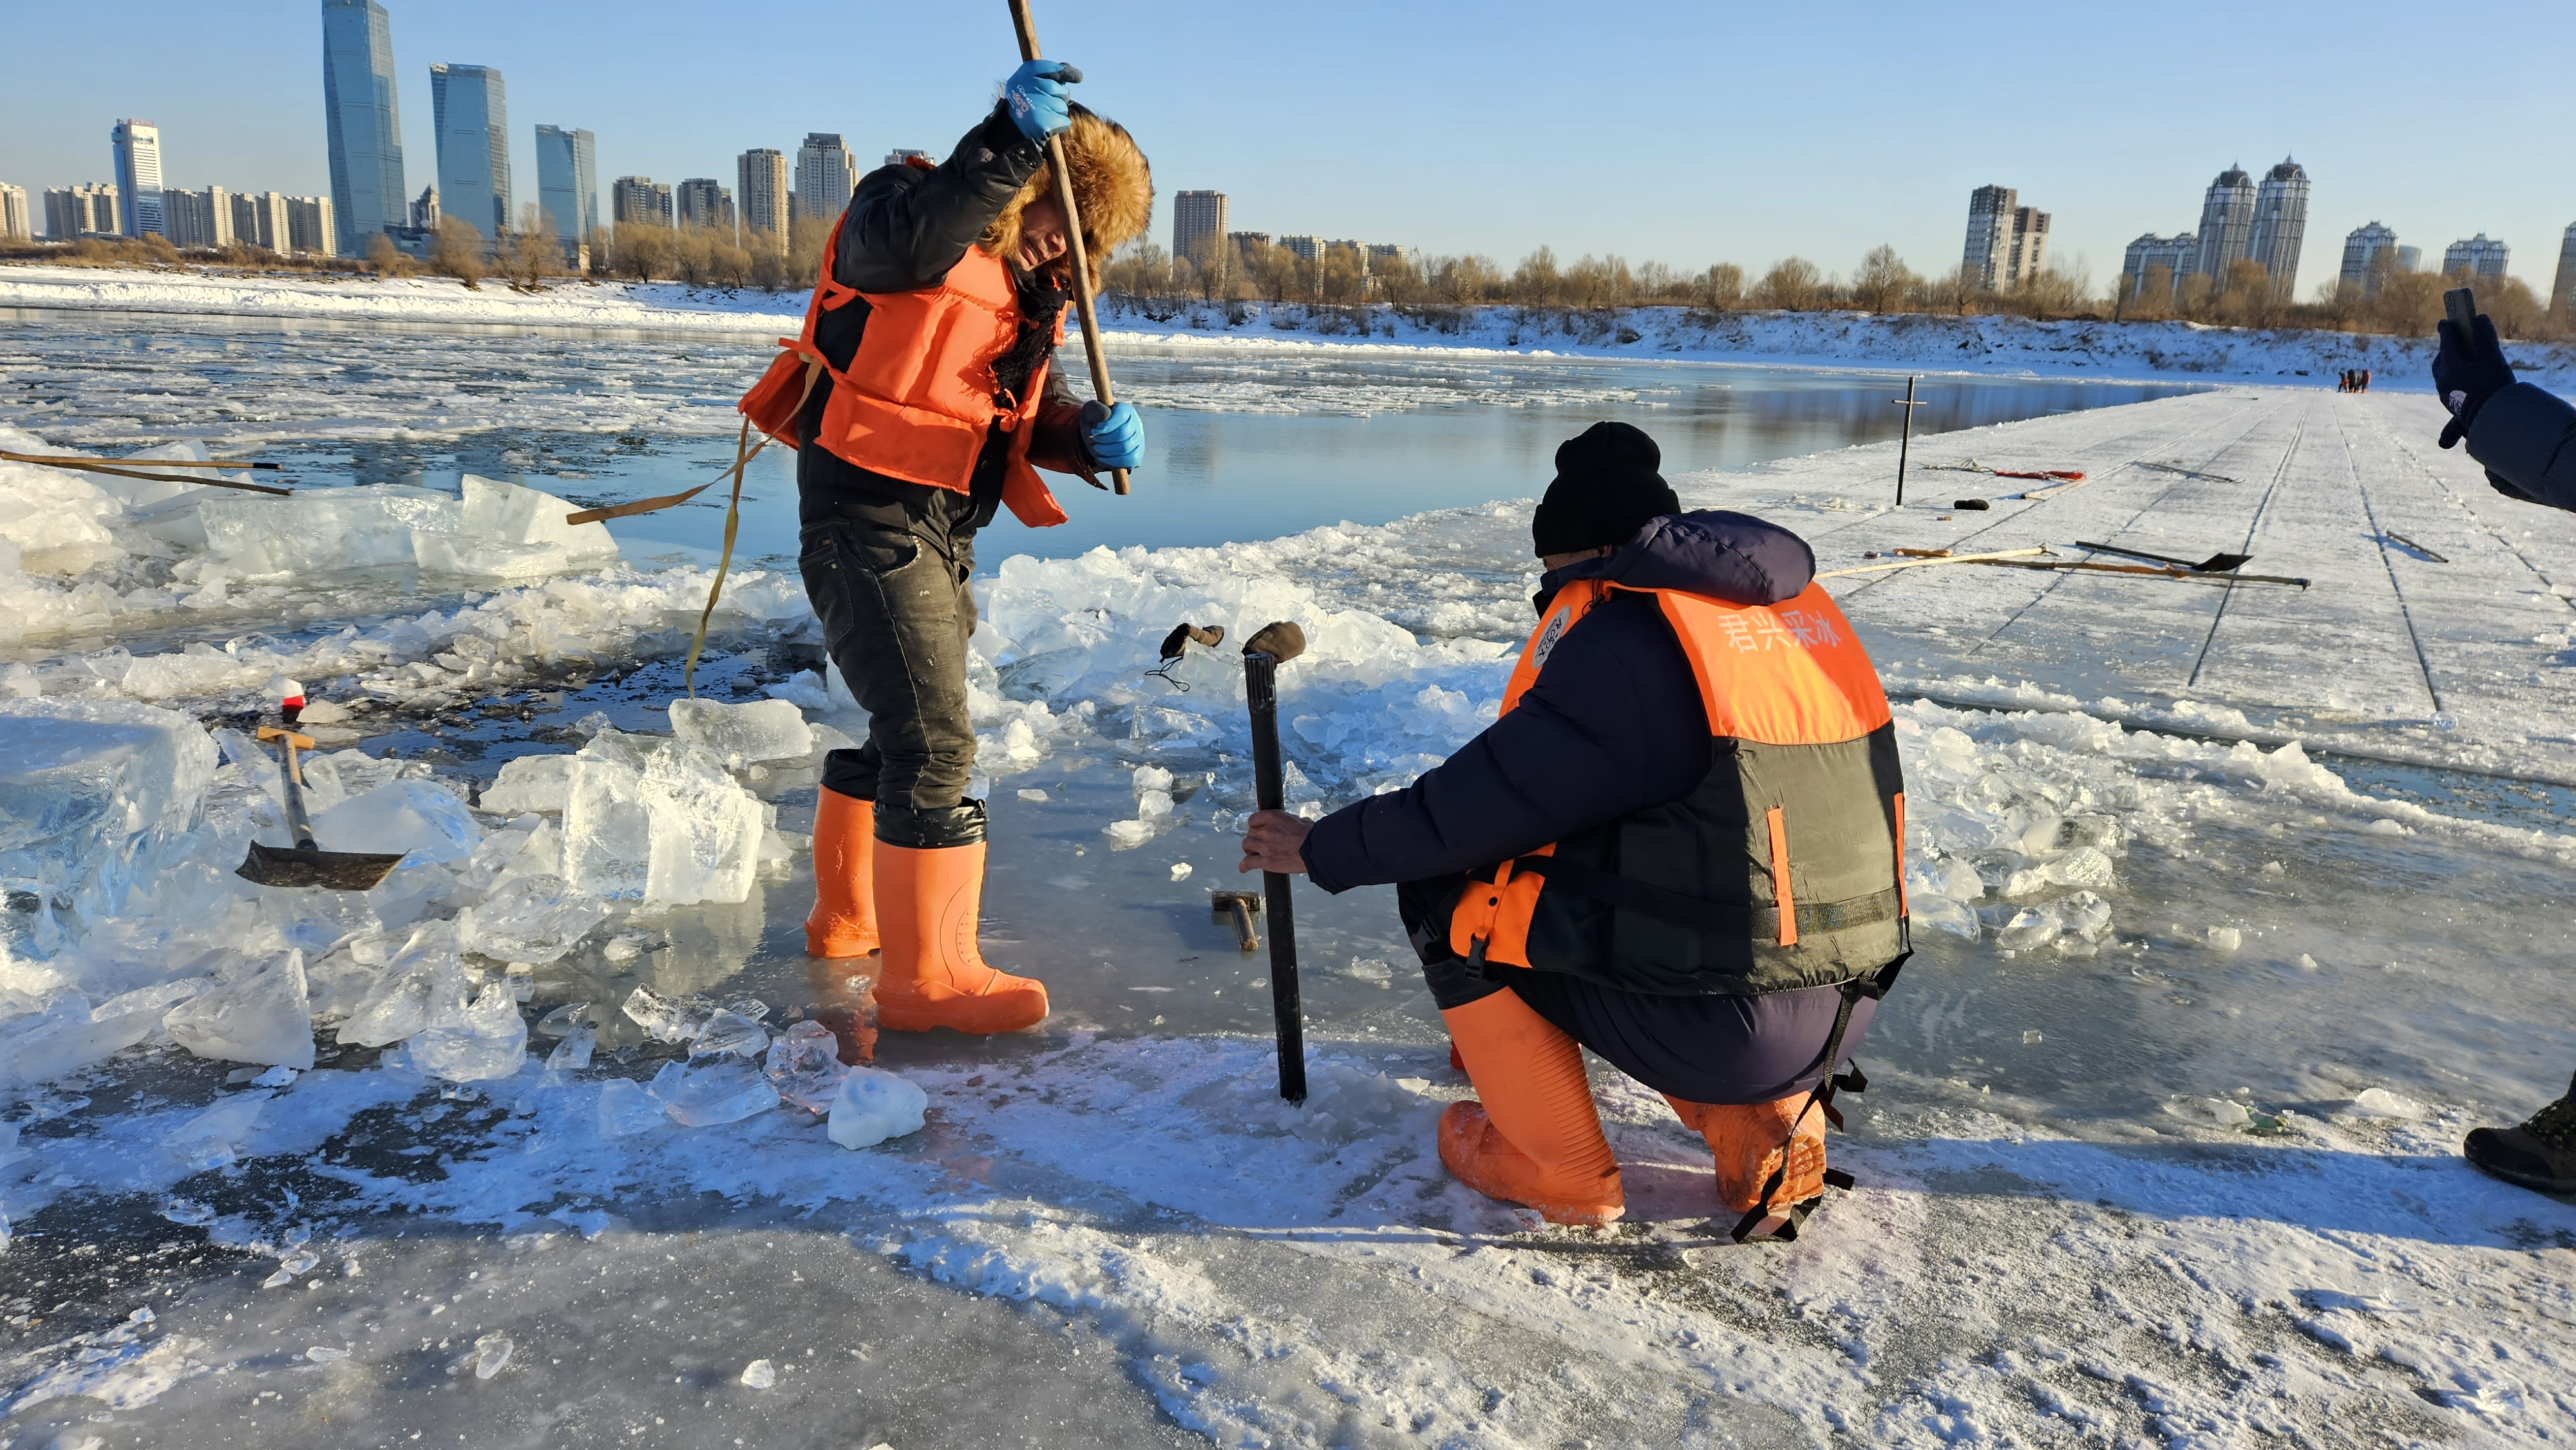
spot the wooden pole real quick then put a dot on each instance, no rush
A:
(1905, 440)
(1263, 654)
(1027, 30)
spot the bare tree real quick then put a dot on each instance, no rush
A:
(457, 251)
(1882, 282)
(385, 259)
(1719, 289)
(1794, 285)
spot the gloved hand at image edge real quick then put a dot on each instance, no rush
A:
(1113, 437)
(2467, 372)
(1037, 99)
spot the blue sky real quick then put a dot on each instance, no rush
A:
(1691, 133)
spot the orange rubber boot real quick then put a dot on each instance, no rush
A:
(1535, 1138)
(844, 923)
(935, 975)
(1748, 1140)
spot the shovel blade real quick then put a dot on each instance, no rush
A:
(2221, 563)
(333, 870)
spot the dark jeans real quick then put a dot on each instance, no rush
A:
(891, 593)
(1698, 1049)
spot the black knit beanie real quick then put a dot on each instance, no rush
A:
(1605, 489)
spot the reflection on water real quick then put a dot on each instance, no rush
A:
(1243, 442)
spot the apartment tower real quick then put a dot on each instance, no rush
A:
(2562, 295)
(568, 182)
(15, 224)
(760, 181)
(702, 201)
(137, 145)
(2226, 224)
(365, 118)
(1198, 225)
(1988, 256)
(2369, 257)
(472, 114)
(826, 174)
(2280, 225)
(2479, 256)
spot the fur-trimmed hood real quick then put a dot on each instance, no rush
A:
(1113, 185)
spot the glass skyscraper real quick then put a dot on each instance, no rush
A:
(365, 115)
(473, 119)
(138, 176)
(568, 181)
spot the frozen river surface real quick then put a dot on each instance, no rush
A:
(2235, 905)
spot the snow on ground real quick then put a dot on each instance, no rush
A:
(2235, 906)
(1827, 339)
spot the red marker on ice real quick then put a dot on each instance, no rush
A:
(290, 697)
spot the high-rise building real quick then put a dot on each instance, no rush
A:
(424, 210)
(309, 227)
(825, 175)
(901, 154)
(640, 201)
(137, 145)
(2027, 257)
(1303, 248)
(2410, 259)
(2226, 224)
(364, 110)
(1377, 254)
(2280, 224)
(472, 114)
(568, 181)
(1198, 224)
(702, 201)
(2369, 257)
(74, 212)
(2562, 295)
(1984, 262)
(262, 220)
(2479, 256)
(198, 218)
(2172, 253)
(1246, 241)
(15, 224)
(760, 180)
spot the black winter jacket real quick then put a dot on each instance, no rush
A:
(2526, 437)
(1612, 725)
(904, 228)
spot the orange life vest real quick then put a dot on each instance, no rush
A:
(917, 397)
(1782, 870)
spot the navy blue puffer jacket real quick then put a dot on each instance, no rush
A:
(1613, 723)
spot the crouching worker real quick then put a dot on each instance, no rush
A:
(922, 396)
(1678, 846)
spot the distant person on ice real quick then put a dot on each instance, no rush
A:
(2526, 437)
(1678, 847)
(920, 394)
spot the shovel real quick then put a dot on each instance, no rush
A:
(2214, 564)
(1263, 654)
(308, 864)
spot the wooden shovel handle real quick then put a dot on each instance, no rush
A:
(1027, 30)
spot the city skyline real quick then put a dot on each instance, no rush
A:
(1374, 158)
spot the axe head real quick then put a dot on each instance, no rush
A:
(1282, 641)
(1221, 905)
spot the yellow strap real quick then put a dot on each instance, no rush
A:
(744, 450)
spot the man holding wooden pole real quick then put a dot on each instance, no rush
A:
(1679, 846)
(922, 396)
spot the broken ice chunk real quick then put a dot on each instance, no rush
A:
(1127, 835)
(426, 981)
(491, 1352)
(2083, 866)
(324, 1354)
(704, 829)
(530, 783)
(2030, 929)
(90, 791)
(729, 1032)
(261, 1015)
(2225, 938)
(723, 1092)
(1150, 777)
(873, 1105)
(667, 1019)
(561, 1021)
(1033, 795)
(805, 1066)
(743, 734)
(2379, 1102)
(626, 1109)
(211, 1138)
(532, 919)
(573, 1053)
(487, 1040)
(428, 825)
(760, 1374)
(1181, 870)
(513, 513)
(1153, 805)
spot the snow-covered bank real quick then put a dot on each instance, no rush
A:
(1915, 341)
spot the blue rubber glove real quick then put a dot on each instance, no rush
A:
(1038, 101)
(1114, 437)
(2468, 371)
